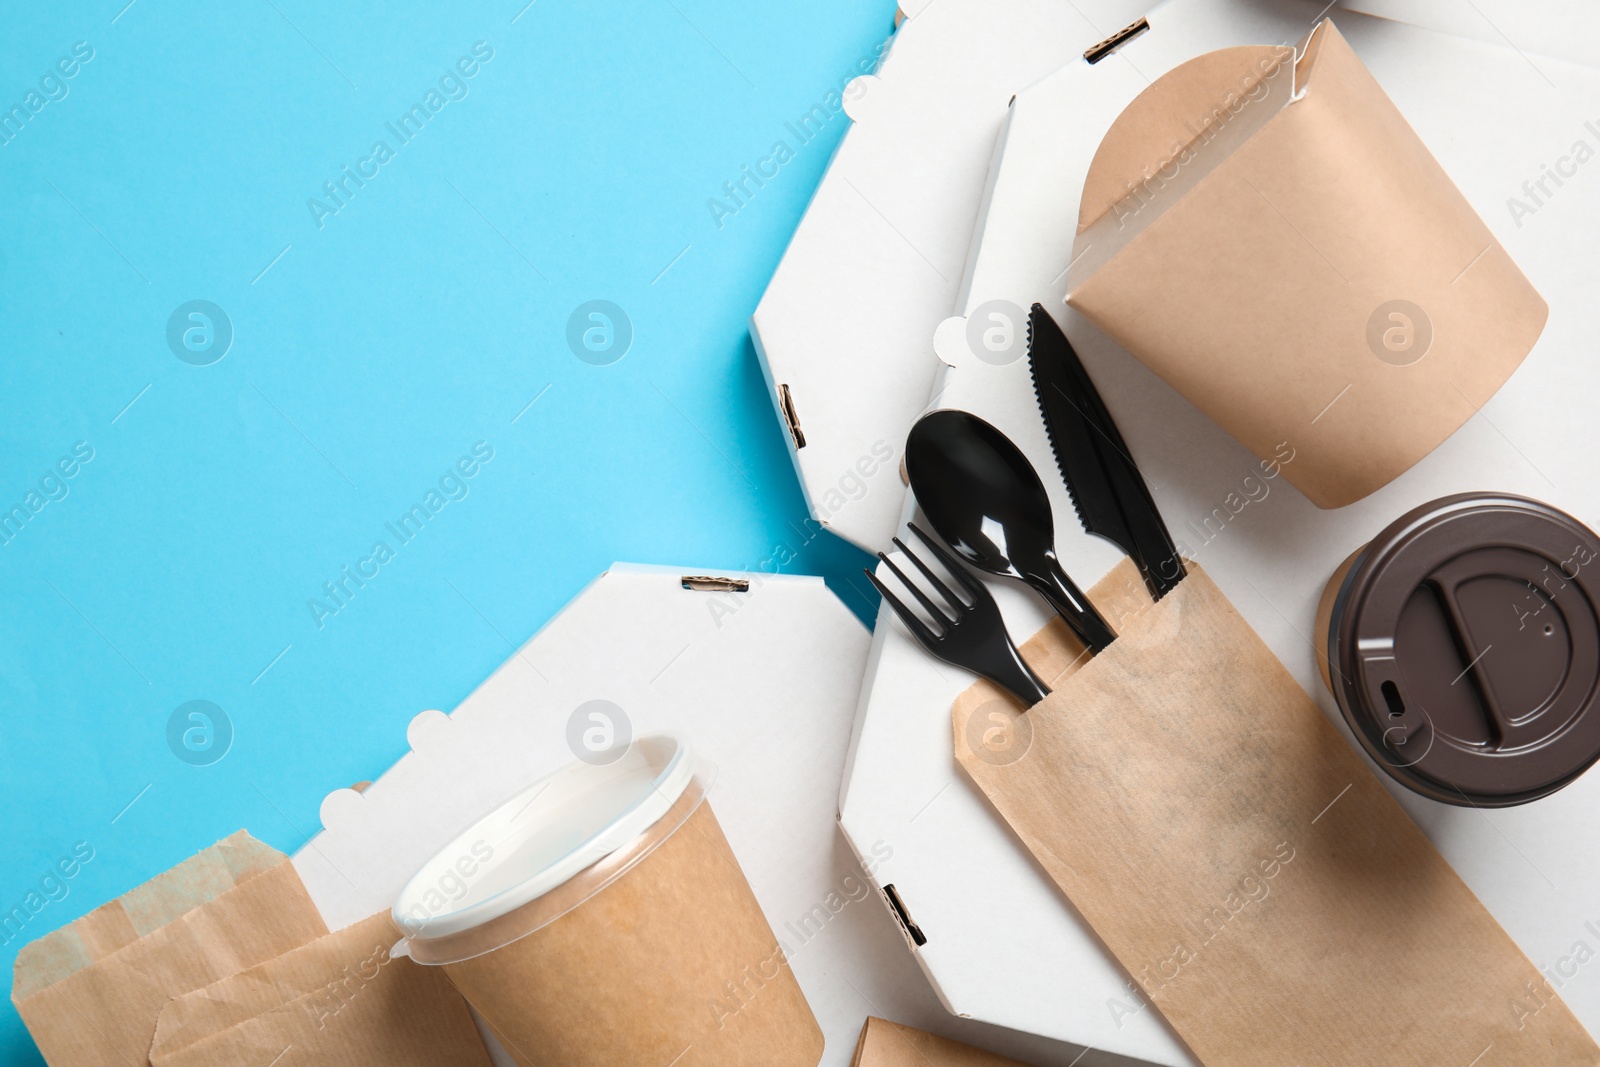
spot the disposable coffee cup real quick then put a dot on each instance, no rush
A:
(598, 917)
(1462, 645)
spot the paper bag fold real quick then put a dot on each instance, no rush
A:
(338, 999)
(1274, 240)
(90, 992)
(1264, 890)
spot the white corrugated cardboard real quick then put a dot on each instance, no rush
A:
(1002, 944)
(763, 682)
(1560, 29)
(843, 329)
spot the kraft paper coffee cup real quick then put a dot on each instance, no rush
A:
(599, 917)
(1462, 645)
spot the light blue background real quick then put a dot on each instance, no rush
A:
(365, 361)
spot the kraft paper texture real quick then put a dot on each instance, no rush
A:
(887, 1044)
(339, 999)
(90, 992)
(1234, 852)
(1270, 236)
(673, 963)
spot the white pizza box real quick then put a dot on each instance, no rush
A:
(761, 680)
(842, 330)
(1002, 943)
(1560, 29)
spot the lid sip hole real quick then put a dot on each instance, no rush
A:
(1391, 696)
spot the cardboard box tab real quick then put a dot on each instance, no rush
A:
(887, 1044)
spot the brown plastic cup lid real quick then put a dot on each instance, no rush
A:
(1464, 649)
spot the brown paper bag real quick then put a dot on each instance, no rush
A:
(887, 1044)
(1241, 861)
(1272, 238)
(338, 999)
(91, 991)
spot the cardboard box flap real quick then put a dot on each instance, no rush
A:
(1301, 269)
(1558, 29)
(1162, 122)
(843, 330)
(141, 911)
(887, 1044)
(1179, 132)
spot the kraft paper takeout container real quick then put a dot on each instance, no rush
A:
(598, 917)
(1263, 229)
(90, 993)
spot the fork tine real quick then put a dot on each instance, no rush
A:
(945, 591)
(918, 628)
(968, 582)
(916, 590)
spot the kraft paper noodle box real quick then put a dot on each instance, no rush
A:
(598, 917)
(1263, 229)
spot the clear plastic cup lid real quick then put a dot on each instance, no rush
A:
(547, 850)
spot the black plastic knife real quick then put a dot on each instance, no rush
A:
(1106, 487)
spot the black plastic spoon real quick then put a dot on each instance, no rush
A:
(984, 498)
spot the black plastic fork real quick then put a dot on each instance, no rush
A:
(971, 636)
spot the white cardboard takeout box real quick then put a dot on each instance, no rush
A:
(875, 264)
(1002, 944)
(760, 681)
(1559, 29)
(763, 682)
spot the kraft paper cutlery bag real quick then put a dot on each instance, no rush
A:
(1262, 889)
(887, 1044)
(338, 999)
(91, 991)
(1270, 236)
